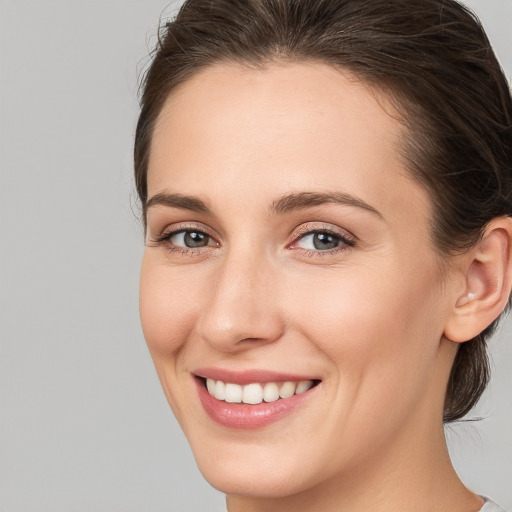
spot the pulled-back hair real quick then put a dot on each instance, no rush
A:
(433, 60)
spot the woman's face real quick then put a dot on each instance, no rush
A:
(287, 243)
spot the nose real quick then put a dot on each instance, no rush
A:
(241, 310)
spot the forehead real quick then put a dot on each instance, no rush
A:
(229, 129)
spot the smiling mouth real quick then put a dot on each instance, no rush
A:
(256, 393)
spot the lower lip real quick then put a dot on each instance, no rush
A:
(247, 417)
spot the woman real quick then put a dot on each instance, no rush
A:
(326, 189)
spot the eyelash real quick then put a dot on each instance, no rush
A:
(166, 236)
(346, 241)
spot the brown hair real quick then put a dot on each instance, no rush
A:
(434, 61)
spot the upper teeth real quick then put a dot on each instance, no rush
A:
(256, 393)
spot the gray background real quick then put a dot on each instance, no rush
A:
(84, 425)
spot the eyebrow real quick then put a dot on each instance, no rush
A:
(181, 201)
(303, 200)
(285, 204)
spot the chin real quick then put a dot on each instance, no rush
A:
(264, 474)
(253, 482)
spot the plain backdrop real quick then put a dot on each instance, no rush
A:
(84, 426)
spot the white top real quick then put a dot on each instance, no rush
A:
(491, 506)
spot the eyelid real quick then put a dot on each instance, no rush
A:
(311, 227)
(174, 229)
(347, 241)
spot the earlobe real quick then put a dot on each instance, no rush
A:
(488, 281)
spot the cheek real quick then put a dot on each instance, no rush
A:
(168, 307)
(374, 327)
(381, 342)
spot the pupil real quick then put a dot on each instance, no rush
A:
(323, 241)
(194, 239)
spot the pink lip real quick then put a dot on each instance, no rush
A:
(245, 416)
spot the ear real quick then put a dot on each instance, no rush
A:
(487, 273)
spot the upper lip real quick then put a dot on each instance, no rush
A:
(249, 376)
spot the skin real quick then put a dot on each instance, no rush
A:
(367, 317)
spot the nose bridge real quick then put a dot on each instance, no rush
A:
(241, 305)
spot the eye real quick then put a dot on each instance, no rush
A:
(184, 239)
(190, 239)
(317, 241)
